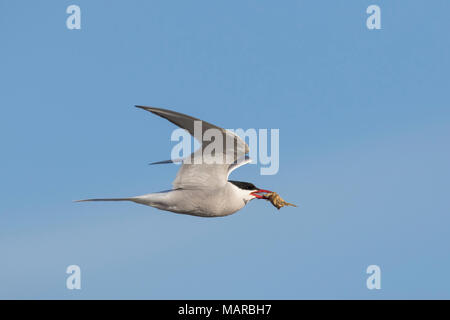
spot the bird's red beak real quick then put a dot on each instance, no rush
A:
(255, 193)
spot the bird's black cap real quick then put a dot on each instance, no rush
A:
(244, 185)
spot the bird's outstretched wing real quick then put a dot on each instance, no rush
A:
(198, 169)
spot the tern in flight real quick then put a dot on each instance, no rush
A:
(202, 189)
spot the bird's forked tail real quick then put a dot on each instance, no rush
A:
(107, 199)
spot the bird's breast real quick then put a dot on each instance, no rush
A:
(206, 203)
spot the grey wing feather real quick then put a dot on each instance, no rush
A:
(188, 123)
(166, 161)
(192, 175)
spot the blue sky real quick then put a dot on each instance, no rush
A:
(364, 131)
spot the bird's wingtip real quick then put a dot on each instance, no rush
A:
(144, 107)
(83, 200)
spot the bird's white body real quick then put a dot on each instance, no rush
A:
(215, 202)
